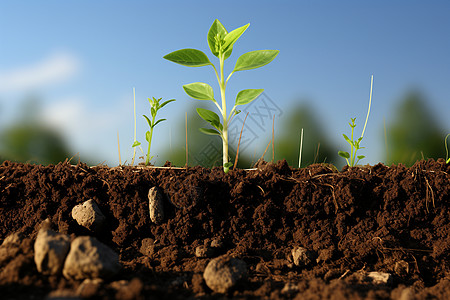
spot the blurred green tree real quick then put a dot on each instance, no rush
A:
(28, 140)
(415, 133)
(317, 147)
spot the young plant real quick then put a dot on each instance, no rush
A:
(355, 145)
(155, 106)
(447, 159)
(221, 43)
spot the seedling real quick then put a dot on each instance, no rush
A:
(155, 106)
(355, 145)
(447, 159)
(221, 43)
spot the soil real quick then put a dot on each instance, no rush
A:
(389, 219)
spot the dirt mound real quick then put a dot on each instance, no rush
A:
(373, 232)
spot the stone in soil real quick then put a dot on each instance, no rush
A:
(89, 258)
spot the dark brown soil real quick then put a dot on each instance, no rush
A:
(363, 219)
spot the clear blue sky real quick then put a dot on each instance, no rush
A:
(82, 59)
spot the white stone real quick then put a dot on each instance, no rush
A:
(380, 277)
(223, 273)
(301, 256)
(89, 258)
(155, 204)
(89, 215)
(50, 250)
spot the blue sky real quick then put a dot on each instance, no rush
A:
(83, 58)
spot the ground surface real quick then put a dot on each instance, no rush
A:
(375, 218)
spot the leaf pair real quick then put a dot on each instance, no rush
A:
(247, 61)
(203, 91)
(220, 41)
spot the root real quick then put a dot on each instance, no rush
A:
(429, 191)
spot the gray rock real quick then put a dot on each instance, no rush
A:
(301, 256)
(14, 239)
(89, 215)
(155, 204)
(224, 272)
(204, 251)
(50, 250)
(89, 258)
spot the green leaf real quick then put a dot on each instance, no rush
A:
(165, 103)
(209, 131)
(247, 96)
(360, 156)
(255, 59)
(135, 144)
(232, 37)
(199, 91)
(147, 136)
(148, 121)
(189, 58)
(347, 139)
(227, 166)
(344, 154)
(209, 116)
(158, 122)
(216, 29)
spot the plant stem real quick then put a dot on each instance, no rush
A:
(222, 85)
(370, 103)
(147, 160)
(353, 152)
(134, 103)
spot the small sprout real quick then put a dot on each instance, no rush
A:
(355, 145)
(447, 159)
(221, 43)
(155, 105)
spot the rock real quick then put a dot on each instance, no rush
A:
(89, 288)
(10, 247)
(217, 243)
(223, 273)
(204, 251)
(88, 215)
(401, 268)
(13, 239)
(63, 294)
(148, 247)
(128, 290)
(325, 255)
(290, 289)
(89, 258)
(50, 250)
(155, 204)
(407, 294)
(379, 277)
(302, 257)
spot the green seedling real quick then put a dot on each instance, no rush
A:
(447, 159)
(155, 106)
(221, 43)
(351, 158)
